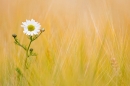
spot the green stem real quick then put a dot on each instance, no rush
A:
(27, 55)
(17, 42)
(36, 37)
(27, 52)
(29, 46)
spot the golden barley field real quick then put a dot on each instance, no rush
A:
(85, 43)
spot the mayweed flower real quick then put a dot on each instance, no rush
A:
(31, 27)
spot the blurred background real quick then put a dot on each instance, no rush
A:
(79, 34)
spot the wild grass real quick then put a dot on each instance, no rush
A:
(85, 43)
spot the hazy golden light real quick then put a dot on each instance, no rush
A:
(80, 38)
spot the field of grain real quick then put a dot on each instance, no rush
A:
(85, 43)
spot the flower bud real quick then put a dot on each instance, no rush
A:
(31, 49)
(14, 35)
(42, 30)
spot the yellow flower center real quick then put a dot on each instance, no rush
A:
(31, 27)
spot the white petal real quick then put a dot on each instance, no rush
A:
(22, 26)
(24, 31)
(32, 20)
(31, 34)
(28, 33)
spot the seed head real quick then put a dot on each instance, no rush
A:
(14, 35)
(114, 65)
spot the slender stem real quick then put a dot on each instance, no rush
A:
(27, 55)
(29, 46)
(27, 52)
(17, 42)
(36, 37)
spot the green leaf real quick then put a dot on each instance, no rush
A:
(19, 71)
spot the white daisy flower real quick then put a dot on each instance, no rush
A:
(31, 27)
